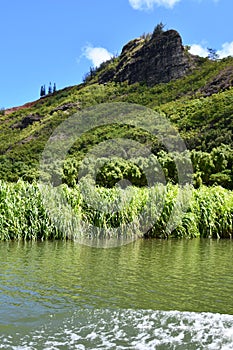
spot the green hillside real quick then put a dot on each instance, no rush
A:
(199, 105)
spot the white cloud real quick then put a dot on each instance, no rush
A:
(149, 4)
(227, 50)
(198, 50)
(96, 55)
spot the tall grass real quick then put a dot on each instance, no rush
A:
(22, 215)
(144, 211)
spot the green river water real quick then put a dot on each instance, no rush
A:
(149, 294)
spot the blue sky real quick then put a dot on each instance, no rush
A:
(58, 40)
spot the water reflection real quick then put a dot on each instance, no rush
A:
(43, 278)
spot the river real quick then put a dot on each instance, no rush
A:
(149, 294)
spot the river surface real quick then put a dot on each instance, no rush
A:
(149, 294)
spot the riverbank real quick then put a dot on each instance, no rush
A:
(26, 215)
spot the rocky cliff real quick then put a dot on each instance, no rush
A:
(158, 58)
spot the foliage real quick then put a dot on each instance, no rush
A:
(158, 29)
(205, 124)
(23, 215)
(214, 168)
(212, 54)
(42, 91)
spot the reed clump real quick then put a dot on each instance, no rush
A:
(157, 212)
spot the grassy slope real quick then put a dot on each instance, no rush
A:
(204, 122)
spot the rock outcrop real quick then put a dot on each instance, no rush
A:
(66, 107)
(26, 121)
(158, 59)
(223, 81)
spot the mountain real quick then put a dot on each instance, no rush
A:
(155, 59)
(155, 71)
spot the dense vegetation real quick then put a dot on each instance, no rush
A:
(23, 214)
(198, 105)
(205, 123)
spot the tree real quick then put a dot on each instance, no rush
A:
(212, 54)
(2, 111)
(42, 91)
(158, 29)
(50, 88)
(54, 87)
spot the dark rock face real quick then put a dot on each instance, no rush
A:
(222, 82)
(66, 107)
(157, 60)
(26, 121)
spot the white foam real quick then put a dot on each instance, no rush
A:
(129, 330)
